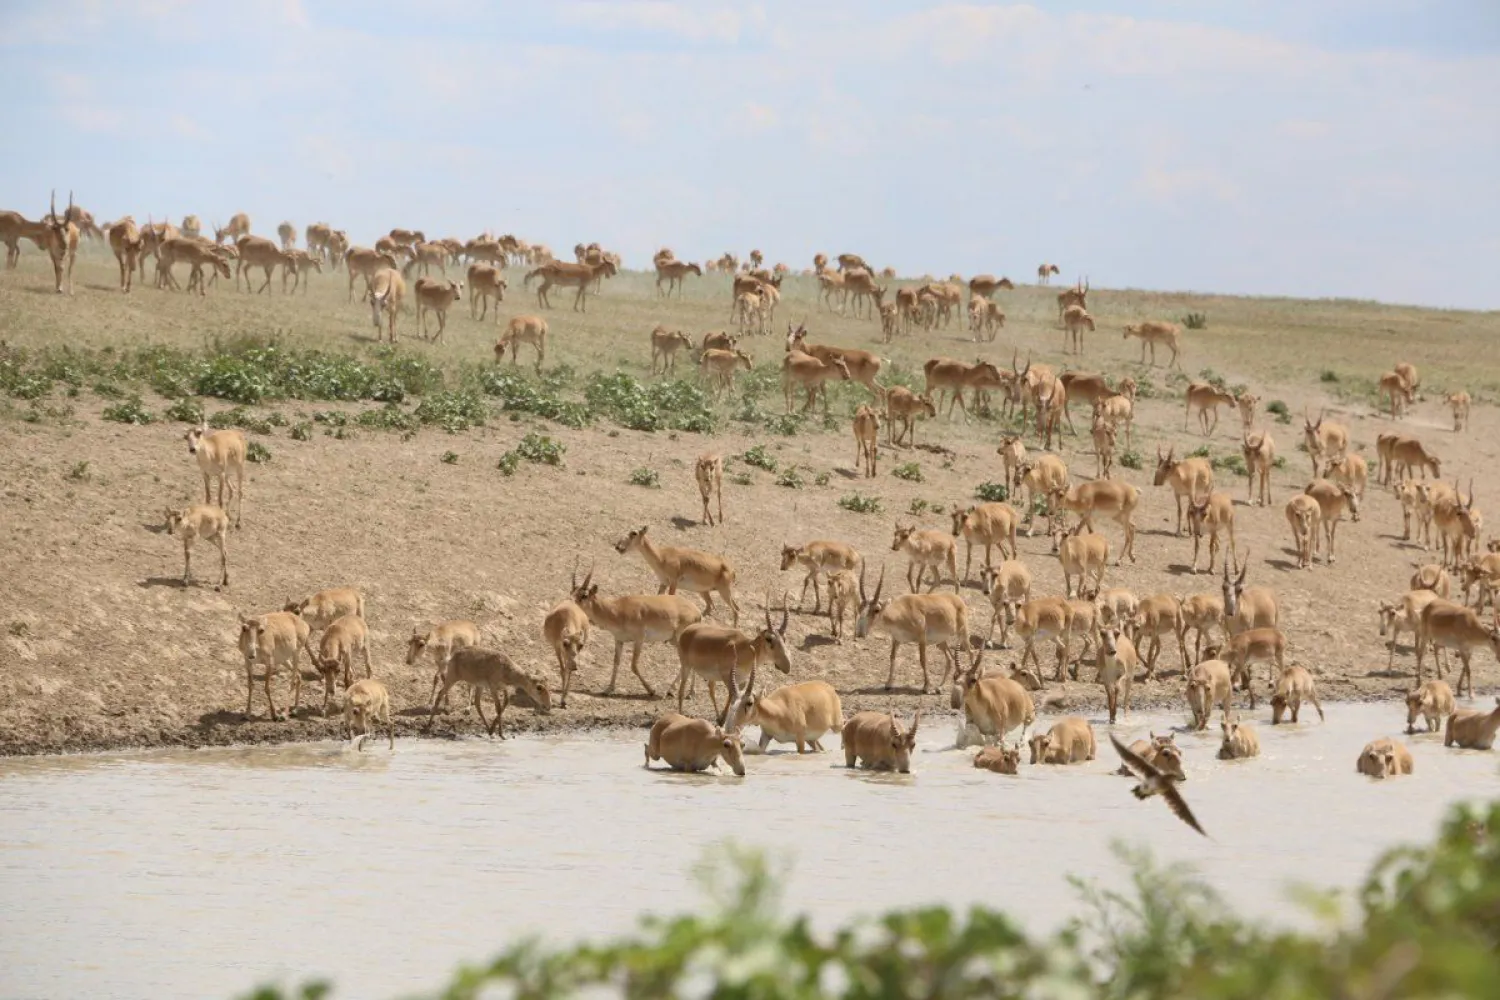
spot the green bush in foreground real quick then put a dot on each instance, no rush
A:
(1426, 923)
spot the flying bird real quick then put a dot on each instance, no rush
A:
(1154, 782)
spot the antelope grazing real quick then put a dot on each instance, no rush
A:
(664, 347)
(708, 471)
(566, 630)
(1259, 451)
(990, 525)
(1407, 453)
(488, 670)
(364, 263)
(695, 744)
(923, 619)
(239, 225)
(717, 369)
(863, 366)
(691, 570)
(1069, 741)
(866, 440)
(325, 607)
(1434, 578)
(1212, 514)
(797, 713)
(1152, 333)
(926, 549)
(316, 236)
(714, 652)
(1208, 684)
(1206, 399)
(1007, 586)
(1460, 403)
(1257, 645)
(1083, 558)
(565, 275)
(1044, 273)
(804, 371)
(523, 330)
(440, 642)
(1044, 479)
(1075, 296)
(749, 311)
(1408, 373)
(296, 264)
(1432, 701)
(486, 281)
(878, 742)
(1326, 441)
(1118, 662)
(1384, 758)
(1045, 618)
(1445, 625)
(1188, 478)
(219, 453)
(1294, 686)
(125, 242)
(204, 521)
(1076, 319)
(1305, 517)
(1240, 741)
(1118, 409)
(1247, 607)
(1472, 730)
(274, 641)
(819, 558)
(365, 702)
(1012, 453)
(673, 272)
(426, 256)
(1405, 616)
(903, 407)
(1333, 499)
(387, 291)
(985, 317)
(1202, 613)
(1398, 394)
(1104, 498)
(1159, 615)
(344, 638)
(993, 705)
(636, 619)
(1458, 524)
(718, 341)
(945, 375)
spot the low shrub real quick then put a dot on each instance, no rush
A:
(130, 411)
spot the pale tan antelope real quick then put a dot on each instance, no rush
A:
(1160, 615)
(1293, 687)
(564, 275)
(1045, 619)
(1405, 616)
(1206, 399)
(219, 453)
(273, 641)
(866, 440)
(1482, 572)
(1385, 444)
(1398, 394)
(435, 295)
(1247, 607)
(818, 558)
(387, 292)
(1084, 387)
(200, 521)
(1118, 662)
(1384, 758)
(1008, 586)
(1044, 273)
(694, 745)
(718, 369)
(1408, 373)
(287, 233)
(1257, 645)
(1445, 625)
(1472, 729)
(1069, 741)
(520, 330)
(843, 601)
(1246, 402)
(1240, 741)
(346, 637)
(566, 630)
(1333, 500)
(991, 525)
(926, 549)
(1012, 452)
(664, 347)
(486, 281)
(688, 569)
(1208, 684)
(924, 619)
(1151, 333)
(708, 471)
(362, 262)
(365, 702)
(256, 251)
(1117, 607)
(440, 641)
(1119, 409)
(1435, 578)
(803, 371)
(877, 741)
(1460, 402)
(635, 619)
(1083, 558)
(1305, 518)
(325, 607)
(1051, 407)
(1000, 760)
(1414, 510)
(60, 240)
(1044, 478)
(903, 407)
(1259, 451)
(1458, 522)
(239, 225)
(713, 652)
(1433, 701)
(1103, 434)
(1188, 478)
(1326, 441)
(1211, 515)
(1351, 471)
(1201, 613)
(296, 264)
(1078, 295)
(1104, 498)
(797, 713)
(488, 670)
(125, 242)
(864, 367)
(994, 706)
(673, 272)
(1076, 319)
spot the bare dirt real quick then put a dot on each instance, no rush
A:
(102, 647)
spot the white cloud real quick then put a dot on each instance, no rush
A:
(1303, 129)
(698, 21)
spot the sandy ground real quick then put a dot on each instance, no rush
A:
(101, 646)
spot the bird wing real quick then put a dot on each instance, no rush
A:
(1179, 806)
(1133, 760)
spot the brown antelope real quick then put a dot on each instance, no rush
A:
(1305, 518)
(831, 286)
(1408, 373)
(1159, 615)
(944, 376)
(1432, 577)
(1076, 296)
(1259, 451)
(866, 439)
(1257, 645)
(1293, 687)
(923, 619)
(1206, 399)
(1103, 434)
(488, 670)
(197, 256)
(1069, 741)
(1326, 441)
(125, 242)
(993, 705)
(1240, 741)
(672, 272)
(565, 275)
(219, 453)
(1460, 402)
(1247, 607)
(1013, 453)
(1200, 614)
(566, 629)
(1188, 478)
(1211, 514)
(709, 473)
(361, 262)
(296, 264)
(1384, 758)
(1472, 729)
(926, 549)
(1007, 586)
(256, 251)
(718, 341)
(1385, 443)
(714, 652)
(1403, 617)
(691, 570)
(1332, 499)
(1044, 273)
(1407, 453)
(636, 619)
(1151, 333)
(1246, 403)
(1045, 618)
(1351, 471)
(664, 347)
(287, 233)
(1051, 406)
(1118, 409)
(1000, 760)
(717, 368)
(859, 285)
(990, 525)
(877, 741)
(863, 366)
(1208, 684)
(346, 637)
(1084, 387)
(440, 642)
(1433, 701)
(365, 702)
(1104, 498)
(1458, 524)
(818, 558)
(60, 240)
(903, 407)
(1445, 625)
(1399, 395)
(1076, 319)
(1084, 558)
(1118, 662)
(985, 285)
(205, 521)
(1414, 509)
(274, 641)
(523, 330)
(843, 600)
(1117, 607)
(695, 744)
(804, 371)
(797, 713)
(387, 292)
(436, 295)
(487, 281)
(1482, 572)
(239, 225)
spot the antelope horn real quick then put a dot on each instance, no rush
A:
(574, 585)
(766, 607)
(879, 584)
(786, 612)
(52, 211)
(916, 720)
(862, 597)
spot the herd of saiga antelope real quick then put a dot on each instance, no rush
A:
(994, 703)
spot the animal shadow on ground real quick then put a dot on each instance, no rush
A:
(684, 523)
(1282, 564)
(1393, 673)
(103, 288)
(1181, 569)
(155, 527)
(880, 689)
(813, 641)
(164, 581)
(221, 717)
(849, 473)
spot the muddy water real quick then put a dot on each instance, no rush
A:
(198, 874)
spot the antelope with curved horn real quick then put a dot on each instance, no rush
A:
(923, 619)
(713, 653)
(636, 619)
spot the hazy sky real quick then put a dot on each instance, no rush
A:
(1299, 147)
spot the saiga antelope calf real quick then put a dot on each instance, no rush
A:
(1432, 701)
(664, 347)
(1460, 402)
(1384, 758)
(1259, 451)
(1206, 399)
(926, 549)
(817, 558)
(1305, 518)
(1399, 395)
(1445, 625)
(523, 330)
(440, 642)
(566, 629)
(436, 295)
(1083, 558)
(1007, 586)
(1118, 662)
(365, 702)
(903, 407)
(486, 281)
(1208, 684)
(219, 453)
(709, 473)
(1151, 333)
(489, 670)
(1293, 687)
(1212, 514)
(205, 521)
(345, 638)
(866, 439)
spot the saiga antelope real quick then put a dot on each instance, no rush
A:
(1188, 478)
(636, 619)
(1152, 333)
(713, 652)
(219, 453)
(1325, 441)
(1206, 399)
(691, 570)
(1212, 514)
(204, 521)
(1259, 451)
(1445, 625)
(523, 330)
(818, 558)
(709, 473)
(923, 619)
(866, 440)
(991, 525)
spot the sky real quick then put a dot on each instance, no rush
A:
(1317, 148)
